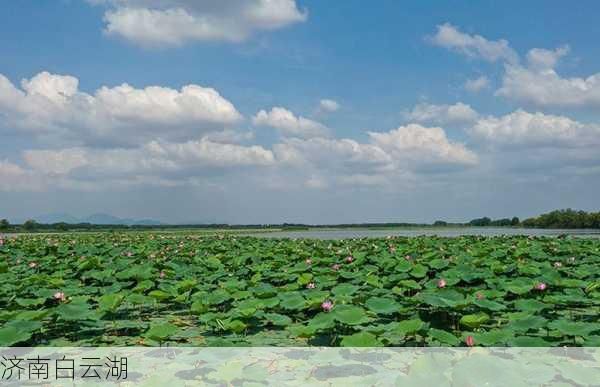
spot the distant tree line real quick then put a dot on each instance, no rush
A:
(487, 222)
(567, 219)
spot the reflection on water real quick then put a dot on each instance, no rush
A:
(413, 232)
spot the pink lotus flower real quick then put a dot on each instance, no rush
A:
(470, 341)
(310, 285)
(336, 266)
(407, 257)
(557, 264)
(1, 241)
(327, 305)
(392, 249)
(129, 253)
(32, 265)
(162, 274)
(349, 259)
(479, 296)
(59, 296)
(441, 283)
(308, 261)
(541, 286)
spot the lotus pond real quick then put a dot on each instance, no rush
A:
(196, 290)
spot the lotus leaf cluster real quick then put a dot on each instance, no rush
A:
(178, 289)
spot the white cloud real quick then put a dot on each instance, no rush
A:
(154, 158)
(51, 105)
(230, 136)
(406, 149)
(473, 46)
(14, 178)
(422, 147)
(477, 84)
(169, 23)
(288, 124)
(328, 106)
(456, 114)
(523, 129)
(542, 59)
(542, 86)
(330, 153)
(537, 83)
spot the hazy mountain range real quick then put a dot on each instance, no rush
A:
(93, 219)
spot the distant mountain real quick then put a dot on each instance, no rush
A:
(99, 218)
(56, 218)
(105, 219)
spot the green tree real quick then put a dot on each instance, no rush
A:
(62, 226)
(485, 221)
(4, 225)
(30, 225)
(514, 221)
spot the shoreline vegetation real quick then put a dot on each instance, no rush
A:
(559, 219)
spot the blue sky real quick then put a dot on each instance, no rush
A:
(408, 138)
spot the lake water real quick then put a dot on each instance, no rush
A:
(413, 232)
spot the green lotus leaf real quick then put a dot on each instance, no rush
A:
(494, 337)
(110, 302)
(382, 305)
(161, 332)
(74, 311)
(443, 336)
(530, 305)
(408, 327)
(474, 320)
(574, 328)
(361, 339)
(418, 271)
(344, 290)
(322, 321)
(442, 298)
(292, 301)
(438, 264)
(10, 335)
(218, 297)
(489, 305)
(278, 319)
(350, 314)
(525, 324)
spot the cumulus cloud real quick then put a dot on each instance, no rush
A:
(456, 114)
(52, 105)
(330, 153)
(473, 46)
(328, 106)
(540, 85)
(171, 23)
(290, 125)
(407, 149)
(153, 158)
(423, 148)
(534, 83)
(477, 84)
(524, 129)
(542, 59)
